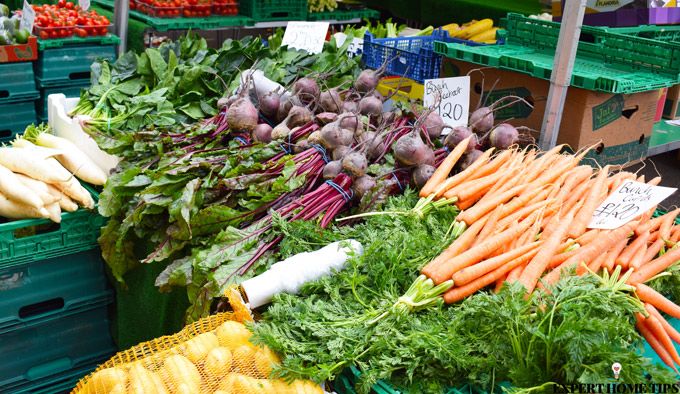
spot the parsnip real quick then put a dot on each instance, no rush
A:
(29, 162)
(40, 188)
(73, 159)
(12, 187)
(16, 210)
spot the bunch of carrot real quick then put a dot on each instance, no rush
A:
(526, 217)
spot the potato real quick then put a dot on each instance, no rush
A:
(198, 347)
(236, 383)
(143, 381)
(106, 380)
(184, 388)
(232, 334)
(265, 361)
(244, 360)
(296, 387)
(180, 374)
(218, 362)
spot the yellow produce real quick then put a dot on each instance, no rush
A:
(475, 28)
(107, 381)
(185, 388)
(297, 387)
(486, 35)
(143, 381)
(244, 359)
(218, 362)
(198, 347)
(236, 383)
(265, 361)
(180, 374)
(451, 28)
(119, 389)
(232, 334)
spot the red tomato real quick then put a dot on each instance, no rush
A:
(61, 3)
(69, 5)
(44, 35)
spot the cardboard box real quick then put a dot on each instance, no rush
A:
(622, 124)
(671, 108)
(20, 52)
(618, 13)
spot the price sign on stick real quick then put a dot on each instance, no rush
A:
(308, 36)
(450, 98)
(84, 4)
(628, 202)
(27, 17)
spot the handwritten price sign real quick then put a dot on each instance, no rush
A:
(451, 99)
(308, 36)
(627, 202)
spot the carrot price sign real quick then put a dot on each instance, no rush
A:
(450, 98)
(627, 202)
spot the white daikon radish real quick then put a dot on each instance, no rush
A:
(12, 187)
(65, 202)
(289, 275)
(16, 210)
(40, 188)
(38, 150)
(55, 212)
(73, 159)
(36, 166)
(73, 189)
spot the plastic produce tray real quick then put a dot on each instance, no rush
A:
(343, 15)
(64, 382)
(50, 287)
(55, 345)
(274, 10)
(410, 57)
(109, 39)
(23, 241)
(14, 117)
(69, 64)
(17, 82)
(224, 7)
(605, 61)
(69, 91)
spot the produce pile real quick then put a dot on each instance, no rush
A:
(482, 31)
(10, 31)
(64, 19)
(37, 177)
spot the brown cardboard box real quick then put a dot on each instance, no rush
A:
(621, 123)
(671, 109)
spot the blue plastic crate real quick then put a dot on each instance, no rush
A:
(53, 347)
(14, 117)
(42, 288)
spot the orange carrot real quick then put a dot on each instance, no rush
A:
(541, 261)
(667, 223)
(660, 333)
(637, 258)
(577, 194)
(653, 341)
(442, 172)
(594, 266)
(474, 213)
(588, 237)
(458, 246)
(468, 189)
(475, 254)
(655, 266)
(615, 180)
(515, 273)
(466, 275)
(651, 296)
(655, 181)
(653, 250)
(499, 284)
(591, 202)
(613, 253)
(575, 177)
(463, 175)
(675, 237)
(524, 212)
(641, 179)
(490, 226)
(462, 205)
(672, 332)
(651, 225)
(458, 293)
(627, 254)
(587, 253)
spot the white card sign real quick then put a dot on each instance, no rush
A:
(308, 36)
(84, 4)
(27, 17)
(609, 5)
(627, 202)
(451, 98)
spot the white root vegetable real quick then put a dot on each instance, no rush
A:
(40, 188)
(262, 84)
(12, 187)
(54, 211)
(73, 159)
(16, 210)
(29, 162)
(65, 202)
(77, 192)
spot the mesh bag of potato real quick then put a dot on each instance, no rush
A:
(210, 356)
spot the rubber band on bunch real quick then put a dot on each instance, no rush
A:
(286, 149)
(401, 187)
(241, 140)
(322, 151)
(345, 195)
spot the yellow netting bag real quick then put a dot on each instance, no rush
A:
(210, 356)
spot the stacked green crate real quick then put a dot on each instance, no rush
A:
(63, 65)
(54, 303)
(17, 98)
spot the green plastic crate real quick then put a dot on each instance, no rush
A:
(109, 39)
(17, 83)
(54, 347)
(14, 117)
(68, 90)
(343, 15)
(50, 287)
(274, 10)
(23, 241)
(66, 381)
(605, 61)
(69, 64)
